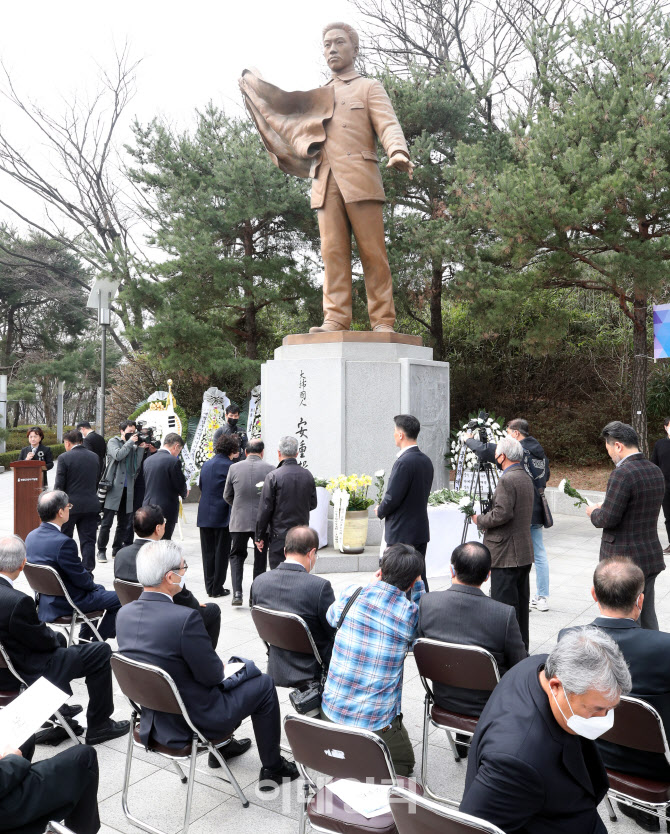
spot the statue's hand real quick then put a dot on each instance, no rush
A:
(401, 163)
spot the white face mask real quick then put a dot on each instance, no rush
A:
(181, 580)
(591, 728)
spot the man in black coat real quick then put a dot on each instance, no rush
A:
(164, 481)
(465, 615)
(64, 787)
(405, 502)
(37, 651)
(629, 514)
(77, 474)
(288, 495)
(154, 630)
(618, 587)
(291, 587)
(661, 457)
(149, 524)
(528, 770)
(94, 442)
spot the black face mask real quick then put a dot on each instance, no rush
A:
(129, 434)
(232, 422)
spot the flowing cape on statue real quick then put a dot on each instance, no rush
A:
(290, 124)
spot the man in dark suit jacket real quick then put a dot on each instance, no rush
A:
(62, 787)
(154, 630)
(507, 534)
(242, 493)
(164, 481)
(149, 524)
(405, 502)
(629, 514)
(465, 615)
(618, 587)
(287, 497)
(291, 587)
(48, 546)
(528, 770)
(77, 473)
(37, 651)
(94, 442)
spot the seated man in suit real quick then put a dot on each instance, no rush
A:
(618, 585)
(149, 526)
(154, 630)
(364, 686)
(533, 766)
(164, 481)
(37, 651)
(46, 545)
(64, 787)
(291, 587)
(464, 614)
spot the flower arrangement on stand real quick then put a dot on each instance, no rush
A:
(495, 431)
(205, 449)
(350, 520)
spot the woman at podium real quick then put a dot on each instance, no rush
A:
(36, 451)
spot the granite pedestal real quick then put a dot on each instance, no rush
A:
(338, 393)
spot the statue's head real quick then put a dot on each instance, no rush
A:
(340, 46)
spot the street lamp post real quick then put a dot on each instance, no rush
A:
(101, 296)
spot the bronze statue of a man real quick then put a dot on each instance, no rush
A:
(330, 135)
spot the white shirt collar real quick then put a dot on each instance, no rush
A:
(405, 449)
(57, 526)
(163, 594)
(7, 579)
(627, 456)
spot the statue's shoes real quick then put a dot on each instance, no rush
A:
(383, 328)
(328, 327)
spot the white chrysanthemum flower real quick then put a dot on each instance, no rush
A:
(561, 486)
(379, 473)
(465, 501)
(260, 483)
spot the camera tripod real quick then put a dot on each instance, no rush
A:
(477, 493)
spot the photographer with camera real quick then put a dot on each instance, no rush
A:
(124, 456)
(232, 428)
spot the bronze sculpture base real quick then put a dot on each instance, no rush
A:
(338, 336)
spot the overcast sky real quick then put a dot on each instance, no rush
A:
(191, 53)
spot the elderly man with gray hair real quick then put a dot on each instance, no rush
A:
(152, 629)
(288, 495)
(533, 765)
(506, 527)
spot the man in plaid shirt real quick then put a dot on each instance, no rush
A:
(629, 514)
(364, 685)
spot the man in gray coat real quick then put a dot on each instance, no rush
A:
(242, 492)
(507, 535)
(124, 456)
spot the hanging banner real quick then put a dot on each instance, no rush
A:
(661, 331)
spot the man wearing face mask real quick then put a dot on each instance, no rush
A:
(618, 587)
(533, 766)
(629, 514)
(231, 427)
(661, 457)
(292, 587)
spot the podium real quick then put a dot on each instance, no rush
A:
(28, 480)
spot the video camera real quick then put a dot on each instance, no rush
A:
(146, 435)
(481, 427)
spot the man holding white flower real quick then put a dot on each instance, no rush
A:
(507, 534)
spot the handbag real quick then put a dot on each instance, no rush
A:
(307, 698)
(548, 520)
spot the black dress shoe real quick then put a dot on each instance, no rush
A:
(237, 599)
(646, 821)
(224, 593)
(271, 779)
(70, 710)
(234, 748)
(108, 731)
(57, 735)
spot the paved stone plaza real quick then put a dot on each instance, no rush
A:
(157, 795)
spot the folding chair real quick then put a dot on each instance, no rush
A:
(639, 726)
(416, 815)
(44, 579)
(286, 631)
(149, 687)
(6, 697)
(127, 591)
(57, 828)
(341, 753)
(470, 667)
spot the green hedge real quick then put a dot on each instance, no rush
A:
(7, 458)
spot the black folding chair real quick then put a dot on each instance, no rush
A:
(127, 591)
(150, 687)
(416, 815)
